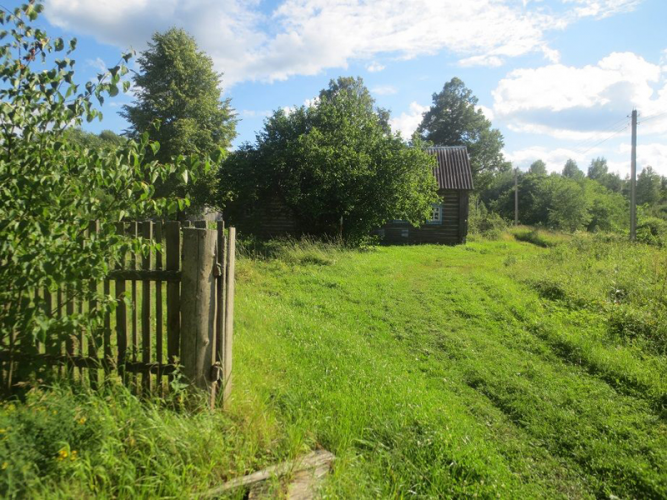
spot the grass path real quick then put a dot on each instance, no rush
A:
(436, 371)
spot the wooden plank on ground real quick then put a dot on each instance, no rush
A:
(317, 462)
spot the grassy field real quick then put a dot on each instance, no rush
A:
(512, 369)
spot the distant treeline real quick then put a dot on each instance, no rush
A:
(597, 200)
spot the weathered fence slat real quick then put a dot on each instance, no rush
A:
(194, 336)
(121, 316)
(134, 233)
(147, 233)
(92, 306)
(158, 304)
(145, 274)
(69, 342)
(173, 245)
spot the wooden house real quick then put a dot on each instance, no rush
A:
(448, 223)
(449, 218)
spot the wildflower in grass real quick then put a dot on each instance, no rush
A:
(62, 455)
(74, 455)
(82, 420)
(4, 465)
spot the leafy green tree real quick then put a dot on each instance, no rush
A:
(648, 187)
(454, 120)
(178, 87)
(598, 169)
(569, 205)
(331, 160)
(105, 140)
(609, 211)
(538, 167)
(571, 170)
(52, 187)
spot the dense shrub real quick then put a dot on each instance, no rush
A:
(53, 188)
(652, 231)
(485, 223)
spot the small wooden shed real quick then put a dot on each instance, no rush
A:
(449, 218)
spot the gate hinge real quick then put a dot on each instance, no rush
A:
(216, 372)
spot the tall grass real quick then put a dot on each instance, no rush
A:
(498, 369)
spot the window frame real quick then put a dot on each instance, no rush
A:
(436, 222)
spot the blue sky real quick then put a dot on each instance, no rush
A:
(557, 77)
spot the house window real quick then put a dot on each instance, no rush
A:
(436, 214)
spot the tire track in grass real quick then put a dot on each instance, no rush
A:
(520, 404)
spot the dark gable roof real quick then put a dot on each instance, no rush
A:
(453, 170)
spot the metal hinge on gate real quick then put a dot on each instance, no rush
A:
(216, 372)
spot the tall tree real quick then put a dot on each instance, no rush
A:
(571, 170)
(178, 87)
(329, 160)
(455, 120)
(598, 169)
(538, 167)
(648, 187)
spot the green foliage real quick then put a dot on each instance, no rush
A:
(454, 120)
(538, 167)
(571, 170)
(331, 160)
(599, 171)
(651, 230)
(498, 368)
(52, 188)
(568, 208)
(179, 104)
(560, 202)
(648, 187)
(483, 222)
(104, 140)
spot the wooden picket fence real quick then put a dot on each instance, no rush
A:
(177, 316)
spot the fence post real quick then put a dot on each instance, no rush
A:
(198, 306)
(228, 339)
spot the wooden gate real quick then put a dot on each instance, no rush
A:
(173, 319)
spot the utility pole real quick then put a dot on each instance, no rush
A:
(633, 179)
(516, 196)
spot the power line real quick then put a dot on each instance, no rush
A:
(653, 117)
(606, 138)
(597, 135)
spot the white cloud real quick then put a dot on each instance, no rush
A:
(653, 154)
(407, 123)
(384, 90)
(251, 113)
(602, 8)
(374, 67)
(578, 102)
(488, 112)
(98, 64)
(554, 158)
(308, 36)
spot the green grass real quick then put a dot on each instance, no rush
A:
(500, 368)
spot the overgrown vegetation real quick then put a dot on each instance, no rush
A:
(498, 368)
(53, 187)
(334, 164)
